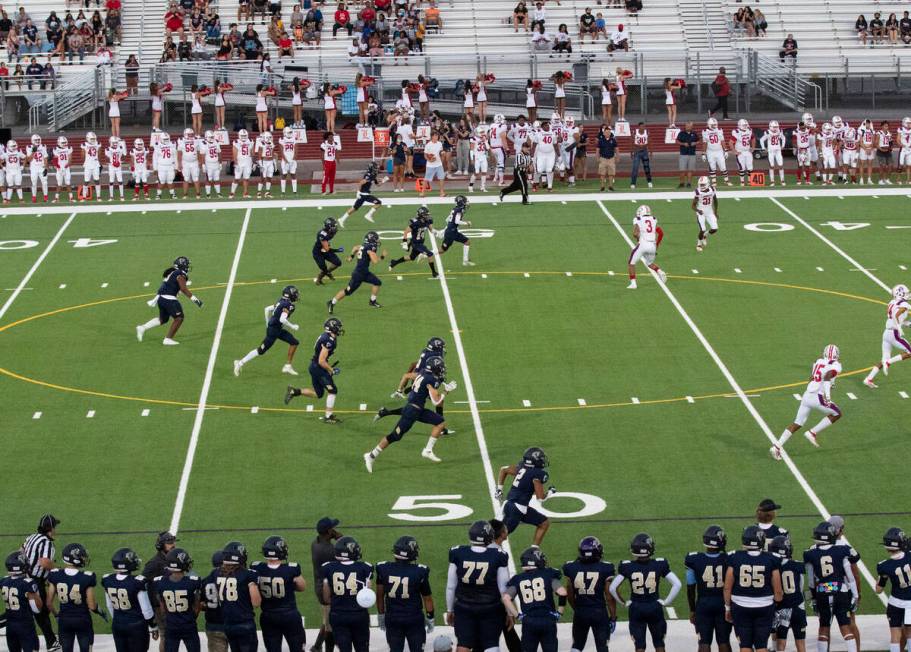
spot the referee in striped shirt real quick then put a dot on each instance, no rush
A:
(40, 552)
(519, 175)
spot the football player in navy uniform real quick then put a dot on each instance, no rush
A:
(413, 240)
(175, 281)
(645, 605)
(452, 234)
(343, 579)
(404, 600)
(178, 594)
(431, 384)
(535, 587)
(279, 580)
(322, 371)
(216, 639)
(364, 194)
(752, 586)
(73, 589)
(476, 582)
(366, 254)
(839, 523)
(831, 583)
(238, 595)
(790, 614)
(705, 590)
(896, 572)
(21, 599)
(325, 255)
(127, 599)
(588, 580)
(278, 319)
(530, 476)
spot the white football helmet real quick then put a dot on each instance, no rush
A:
(243, 136)
(536, 125)
(906, 122)
(712, 123)
(900, 291)
(12, 146)
(113, 141)
(570, 121)
(499, 118)
(166, 138)
(643, 211)
(830, 353)
(807, 118)
(704, 183)
(36, 139)
(483, 129)
(91, 139)
(267, 137)
(210, 135)
(743, 125)
(61, 142)
(138, 145)
(837, 122)
(555, 117)
(773, 127)
(286, 132)
(188, 133)
(827, 128)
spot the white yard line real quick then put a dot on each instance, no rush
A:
(470, 395)
(35, 266)
(207, 380)
(747, 403)
(841, 252)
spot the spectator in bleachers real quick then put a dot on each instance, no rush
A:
(619, 40)
(131, 74)
(184, 49)
(382, 5)
(587, 26)
(18, 76)
(633, 6)
(250, 44)
(225, 49)
(97, 29)
(432, 17)
(22, 17)
(4, 76)
(315, 16)
(5, 24)
(541, 40)
(12, 44)
(876, 28)
(382, 27)
(721, 87)
(173, 20)
(562, 41)
(275, 29)
(402, 45)
(892, 28)
(213, 29)
(33, 72)
(342, 20)
(244, 10)
(168, 53)
(31, 42)
(417, 37)
(285, 46)
(539, 15)
(861, 28)
(54, 36)
(760, 24)
(520, 16)
(356, 50)
(788, 48)
(113, 29)
(49, 79)
(904, 28)
(260, 7)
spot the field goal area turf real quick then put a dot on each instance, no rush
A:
(655, 406)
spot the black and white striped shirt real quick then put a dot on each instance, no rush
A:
(38, 546)
(522, 161)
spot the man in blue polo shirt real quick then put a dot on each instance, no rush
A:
(687, 139)
(607, 156)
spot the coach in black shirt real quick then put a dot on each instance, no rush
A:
(40, 552)
(322, 550)
(607, 156)
(687, 139)
(156, 567)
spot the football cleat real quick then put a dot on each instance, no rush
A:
(289, 394)
(288, 369)
(368, 462)
(237, 367)
(775, 452)
(429, 455)
(811, 437)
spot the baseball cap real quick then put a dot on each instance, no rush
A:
(325, 524)
(837, 521)
(442, 643)
(768, 505)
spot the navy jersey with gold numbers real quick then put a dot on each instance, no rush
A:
(535, 590)
(276, 585)
(179, 597)
(345, 580)
(282, 305)
(644, 577)
(326, 340)
(405, 586)
(896, 570)
(419, 393)
(523, 486)
(71, 588)
(234, 595)
(122, 593)
(792, 573)
(752, 573)
(169, 285)
(14, 592)
(477, 571)
(589, 580)
(708, 571)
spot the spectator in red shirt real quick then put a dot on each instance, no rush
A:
(368, 13)
(285, 47)
(113, 5)
(382, 5)
(4, 76)
(342, 20)
(173, 20)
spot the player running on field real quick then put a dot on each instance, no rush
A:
(705, 203)
(530, 475)
(897, 313)
(325, 255)
(817, 396)
(322, 372)
(452, 234)
(364, 195)
(278, 322)
(647, 236)
(413, 240)
(366, 254)
(174, 282)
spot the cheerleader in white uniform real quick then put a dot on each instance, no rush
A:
(297, 101)
(480, 84)
(559, 93)
(329, 95)
(406, 97)
(361, 85)
(607, 106)
(620, 92)
(531, 101)
(157, 93)
(469, 99)
(423, 98)
(219, 92)
(114, 109)
(196, 108)
(262, 109)
(670, 100)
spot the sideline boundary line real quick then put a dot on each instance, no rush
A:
(747, 403)
(207, 380)
(470, 395)
(36, 265)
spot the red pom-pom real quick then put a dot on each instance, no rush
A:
(368, 80)
(414, 87)
(567, 75)
(627, 73)
(536, 84)
(227, 87)
(167, 88)
(490, 78)
(305, 83)
(343, 89)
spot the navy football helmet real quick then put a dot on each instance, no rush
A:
(218, 558)
(715, 537)
(423, 213)
(334, 325)
(235, 553)
(480, 533)
(533, 558)
(590, 549)
(275, 547)
(437, 345)
(436, 366)
(372, 237)
(125, 561)
(753, 537)
(291, 293)
(461, 201)
(535, 457)
(182, 263)
(895, 539)
(781, 546)
(76, 555)
(372, 167)
(406, 548)
(347, 549)
(642, 545)
(178, 561)
(16, 563)
(825, 533)
(330, 225)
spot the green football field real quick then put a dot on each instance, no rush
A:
(653, 406)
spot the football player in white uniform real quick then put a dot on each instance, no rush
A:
(189, 149)
(772, 141)
(813, 152)
(715, 151)
(849, 149)
(2, 171)
(115, 153)
(212, 156)
(140, 168)
(13, 161)
(744, 141)
(165, 163)
(545, 155)
(802, 139)
(828, 160)
(266, 150)
(499, 146)
(904, 153)
(519, 134)
(63, 159)
(36, 155)
(645, 232)
(839, 126)
(479, 152)
(568, 148)
(288, 160)
(243, 163)
(705, 203)
(91, 165)
(897, 313)
(817, 396)
(867, 136)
